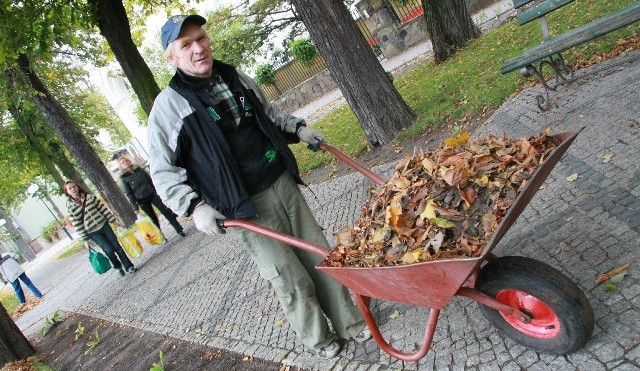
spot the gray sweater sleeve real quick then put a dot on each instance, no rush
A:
(165, 122)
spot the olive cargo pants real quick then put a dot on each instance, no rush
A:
(305, 293)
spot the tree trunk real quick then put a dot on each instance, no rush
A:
(76, 143)
(114, 27)
(16, 237)
(449, 25)
(64, 163)
(51, 158)
(13, 344)
(364, 83)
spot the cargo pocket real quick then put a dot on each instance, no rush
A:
(279, 283)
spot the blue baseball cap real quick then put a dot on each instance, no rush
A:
(173, 26)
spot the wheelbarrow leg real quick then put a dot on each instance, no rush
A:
(363, 303)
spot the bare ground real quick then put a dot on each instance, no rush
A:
(72, 345)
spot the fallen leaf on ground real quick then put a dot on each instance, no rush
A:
(572, 177)
(605, 276)
(618, 277)
(394, 315)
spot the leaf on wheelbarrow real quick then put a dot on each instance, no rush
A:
(444, 203)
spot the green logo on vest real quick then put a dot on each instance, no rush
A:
(271, 155)
(214, 115)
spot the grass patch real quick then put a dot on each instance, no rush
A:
(71, 250)
(8, 299)
(469, 83)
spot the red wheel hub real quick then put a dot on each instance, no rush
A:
(544, 321)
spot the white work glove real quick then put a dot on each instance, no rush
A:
(205, 217)
(311, 136)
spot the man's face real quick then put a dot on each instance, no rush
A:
(192, 51)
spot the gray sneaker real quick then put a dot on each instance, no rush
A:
(330, 350)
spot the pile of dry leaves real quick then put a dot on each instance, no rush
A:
(445, 203)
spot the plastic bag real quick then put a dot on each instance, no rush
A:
(149, 231)
(129, 242)
(99, 262)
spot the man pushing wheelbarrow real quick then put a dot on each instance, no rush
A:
(219, 150)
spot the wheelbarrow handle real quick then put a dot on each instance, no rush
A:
(275, 235)
(353, 163)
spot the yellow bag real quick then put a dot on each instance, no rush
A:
(129, 242)
(149, 231)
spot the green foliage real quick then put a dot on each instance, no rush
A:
(93, 342)
(69, 82)
(609, 287)
(468, 84)
(79, 331)
(233, 37)
(41, 366)
(74, 89)
(8, 298)
(159, 366)
(303, 51)
(50, 322)
(71, 250)
(456, 130)
(50, 231)
(19, 163)
(265, 75)
(342, 130)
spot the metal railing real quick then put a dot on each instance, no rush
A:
(291, 74)
(405, 10)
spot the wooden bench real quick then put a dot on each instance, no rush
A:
(548, 53)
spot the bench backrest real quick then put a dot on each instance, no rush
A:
(539, 10)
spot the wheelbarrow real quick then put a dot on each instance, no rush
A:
(525, 299)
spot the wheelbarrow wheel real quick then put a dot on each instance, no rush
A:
(561, 316)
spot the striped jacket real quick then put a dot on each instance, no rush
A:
(95, 215)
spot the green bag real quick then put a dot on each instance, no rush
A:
(99, 262)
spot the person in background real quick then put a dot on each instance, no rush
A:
(138, 187)
(12, 271)
(91, 218)
(219, 150)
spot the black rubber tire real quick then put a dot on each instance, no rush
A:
(548, 285)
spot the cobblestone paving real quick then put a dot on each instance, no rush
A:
(205, 289)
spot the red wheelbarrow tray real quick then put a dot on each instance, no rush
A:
(431, 283)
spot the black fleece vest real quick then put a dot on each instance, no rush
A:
(259, 162)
